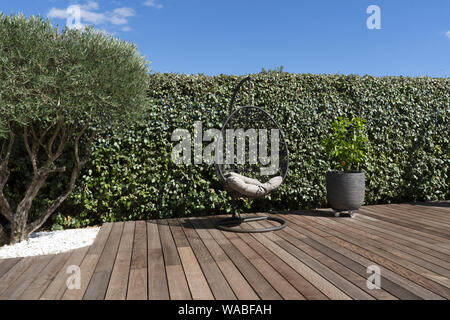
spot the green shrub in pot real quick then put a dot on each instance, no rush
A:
(347, 148)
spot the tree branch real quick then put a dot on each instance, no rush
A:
(58, 169)
(32, 190)
(41, 137)
(56, 203)
(75, 172)
(32, 152)
(65, 137)
(60, 122)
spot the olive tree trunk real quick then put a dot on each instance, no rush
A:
(20, 226)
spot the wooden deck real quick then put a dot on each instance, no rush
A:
(317, 256)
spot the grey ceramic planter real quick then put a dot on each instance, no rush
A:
(345, 190)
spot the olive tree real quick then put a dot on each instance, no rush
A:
(59, 91)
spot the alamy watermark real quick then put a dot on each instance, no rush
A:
(73, 20)
(374, 20)
(231, 150)
(374, 280)
(74, 280)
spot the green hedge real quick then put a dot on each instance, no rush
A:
(132, 176)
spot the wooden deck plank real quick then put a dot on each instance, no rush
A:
(356, 265)
(400, 238)
(390, 250)
(261, 286)
(412, 215)
(11, 276)
(414, 218)
(98, 285)
(300, 283)
(391, 288)
(235, 279)
(178, 233)
(379, 256)
(420, 211)
(7, 264)
(138, 282)
(157, 279)
(427, 240)
(406, 223)
(273, 277)
(358, 279)
(89, 263)
(137, 285)
(442, 207)
(217, 282)
(391, 226)
(176, 279)
(38, 286)
(198, 285)
(196, 280)
(171, 256)
(309, 274)
(305, 226)
(424, 212)
(26, 278)
(425, 278)
(312, 258)
(413, 252)
(118, 283)
(58, 286)
(392, 282)
(317, 256)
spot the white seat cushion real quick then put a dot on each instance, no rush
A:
(251, 187)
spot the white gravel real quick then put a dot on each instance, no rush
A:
(52, 242)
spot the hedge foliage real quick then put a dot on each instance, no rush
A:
(132, 176)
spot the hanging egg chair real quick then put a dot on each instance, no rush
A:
(254, 169)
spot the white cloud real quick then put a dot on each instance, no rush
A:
(93, 17)
(126, 28)
(91, 5)
(120, 15)
(57, 13)
(118, 20)
(124, 11)
(77, 16)
(152, 3)
(447, 34)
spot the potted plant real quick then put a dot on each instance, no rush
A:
(347, 147)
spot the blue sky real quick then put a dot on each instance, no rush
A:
(243, 36)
